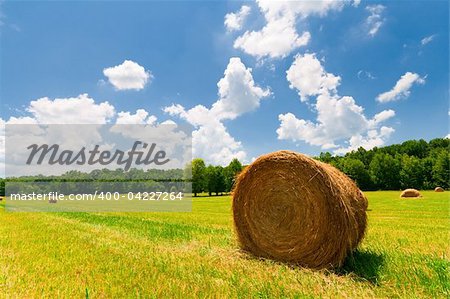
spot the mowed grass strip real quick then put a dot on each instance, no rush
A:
(405, 253)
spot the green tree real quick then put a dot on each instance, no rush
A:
(362, 155)
(2, 187)
(412, 172)
(220, 180)
(441, 170)
(417, 148)
(231, 171)
(215, 179)
(326, 157)
(440, 143)
(385, 171)
(427, 165)
(210, 179)
(198, 176)
(356, 170)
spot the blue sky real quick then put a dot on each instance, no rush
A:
(178, 51)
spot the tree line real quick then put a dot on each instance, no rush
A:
(195, 178)
(213, 179)
(99, 180)
(412, 164)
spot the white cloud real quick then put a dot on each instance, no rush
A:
(356, 3)
(375, 20)
(167, 134)
(211, 140)
(427, 40)
(79, 110)
(75, 110)
(276, 9)
(279, 37)
(235, 20)
(276, 40)
(365, 75)
(339, 119)
(382, 116)
(370, 140)
(141, 117)
(128, 75)
(401, 88)
(308, 77)
(238, 94)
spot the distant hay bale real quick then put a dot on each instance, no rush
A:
(291, 208)
(438, 189)
(410, 193)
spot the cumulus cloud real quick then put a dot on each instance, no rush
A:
(276, 40)
(427, 40)
(82, 110)
(235, 20)
(308, 77)
(238, 94)
(382, 116)
(339, 120)
(73, 110)
(375, 19)
(279, 37)
(210, 140)
(128, 75)
(356, 3)
(141, 117)
(373, 138)
(76, 110)
(401, 90)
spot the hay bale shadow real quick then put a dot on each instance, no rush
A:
(365, 265)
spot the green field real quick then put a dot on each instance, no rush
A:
(405, 254)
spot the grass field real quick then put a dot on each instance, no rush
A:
(405, 254)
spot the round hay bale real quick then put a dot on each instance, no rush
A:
(291, 208)
(438, 189)
(410, 193)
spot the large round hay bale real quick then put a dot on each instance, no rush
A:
(410, 193)
(291, 208)
(438, 189)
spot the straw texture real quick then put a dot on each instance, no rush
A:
(291, 208)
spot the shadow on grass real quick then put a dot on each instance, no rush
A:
(360, 265)
(365, 265)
